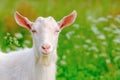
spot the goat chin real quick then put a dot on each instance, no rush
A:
(46, 60)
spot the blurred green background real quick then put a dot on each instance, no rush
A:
(89, 49)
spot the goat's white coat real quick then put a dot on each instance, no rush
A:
(31, 64)
(22, 65)
(17, 65)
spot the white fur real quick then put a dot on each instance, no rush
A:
(33, 64)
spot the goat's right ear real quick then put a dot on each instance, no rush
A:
(22, 21)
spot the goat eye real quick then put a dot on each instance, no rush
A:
(34, 31)
(57, 31)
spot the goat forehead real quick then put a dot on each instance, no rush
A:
(48, 22)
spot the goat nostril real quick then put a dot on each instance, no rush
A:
(45, 46)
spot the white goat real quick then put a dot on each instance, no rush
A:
(38, 62)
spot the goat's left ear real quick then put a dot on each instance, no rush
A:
(22, 21)
(67, 20)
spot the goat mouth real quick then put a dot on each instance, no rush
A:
(45, 53)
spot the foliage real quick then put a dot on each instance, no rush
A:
(88, 50)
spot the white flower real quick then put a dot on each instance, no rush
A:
(102, 19)
(76, 25)
(62, 62)
(101, 36)
(117, 58)
(109, 16)
(117, 31)
(104, 43)
(95, 29)
(18, 35)
(85, 46)
(94, 48)
(103, 54)
(88, 41)
(114, 26)
(27, 42)
(117, 40)
(107, 60)
(69, 34)
(107, 28)
(117, 19)
(90, 18)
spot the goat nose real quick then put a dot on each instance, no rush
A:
(45, 47)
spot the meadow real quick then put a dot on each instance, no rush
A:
(89, 49)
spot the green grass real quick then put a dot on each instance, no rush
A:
(88, 50)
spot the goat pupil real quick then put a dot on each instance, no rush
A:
(33, 31)
(57, 31)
